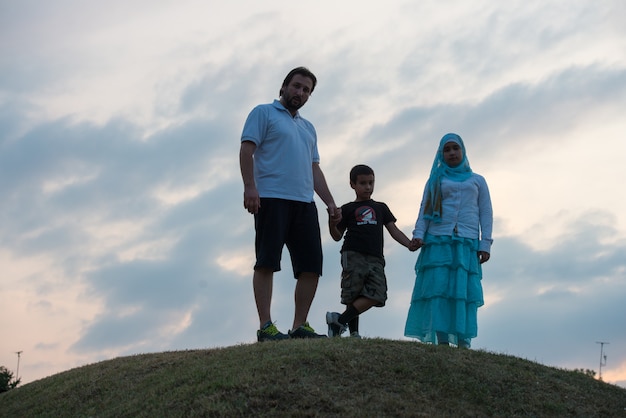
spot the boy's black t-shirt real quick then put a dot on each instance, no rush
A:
(364, 222)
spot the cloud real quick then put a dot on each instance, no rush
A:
(565, 297)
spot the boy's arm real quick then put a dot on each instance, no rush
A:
(399, 235)
(335, 231)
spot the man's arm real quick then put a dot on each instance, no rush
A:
(251, 200)
(321, 188)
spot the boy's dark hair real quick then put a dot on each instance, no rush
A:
(303, 71)
(358, 170)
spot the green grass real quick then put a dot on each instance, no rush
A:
(327, 377)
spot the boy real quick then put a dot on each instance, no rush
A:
(363, 281)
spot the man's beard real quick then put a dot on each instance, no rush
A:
(292, 103)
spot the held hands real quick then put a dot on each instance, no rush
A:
(415, 244)
(334, 215)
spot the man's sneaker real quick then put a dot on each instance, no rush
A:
(269, 332)
(335, 328)
(304, 331)
(355, 334)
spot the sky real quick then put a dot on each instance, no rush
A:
(122, 227)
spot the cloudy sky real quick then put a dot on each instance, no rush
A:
(122, 228)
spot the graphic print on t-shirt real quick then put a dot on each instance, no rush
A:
(365, 215)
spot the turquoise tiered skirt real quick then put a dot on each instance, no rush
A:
(447, 292)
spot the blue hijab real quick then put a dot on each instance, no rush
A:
(440, 169)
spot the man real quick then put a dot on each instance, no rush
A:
(280, 169)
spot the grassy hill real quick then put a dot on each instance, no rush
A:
(329, 377)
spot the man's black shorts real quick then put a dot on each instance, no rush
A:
(282, 222)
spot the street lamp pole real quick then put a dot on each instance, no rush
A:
(17, 372)
(602, 357)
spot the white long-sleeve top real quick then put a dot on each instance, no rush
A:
(465, 212)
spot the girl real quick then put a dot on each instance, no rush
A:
(453, 230)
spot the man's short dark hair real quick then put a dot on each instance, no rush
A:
(358, 170)
(303, 71)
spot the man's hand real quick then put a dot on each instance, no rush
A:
(251, 199)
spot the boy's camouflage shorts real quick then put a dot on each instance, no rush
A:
(363, 275)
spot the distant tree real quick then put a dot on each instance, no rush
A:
(6, 380)
(587, 372)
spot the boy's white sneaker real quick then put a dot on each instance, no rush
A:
(335, 328)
